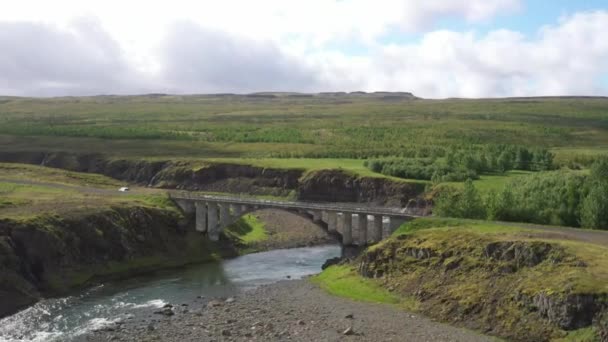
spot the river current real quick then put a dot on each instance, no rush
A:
(67, 318)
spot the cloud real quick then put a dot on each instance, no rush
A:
(568, 58)
(40, 59)
(196, 59)
(236, 46)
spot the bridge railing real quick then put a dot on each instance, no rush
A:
(342, 207)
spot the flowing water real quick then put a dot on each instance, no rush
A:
(64, 319)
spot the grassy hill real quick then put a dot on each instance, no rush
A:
(338, 126)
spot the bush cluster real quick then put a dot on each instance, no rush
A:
(561, 197)
(460, 164)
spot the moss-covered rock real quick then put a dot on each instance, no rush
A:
(502, 284)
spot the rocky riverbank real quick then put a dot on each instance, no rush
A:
(49, 255)
(289, 310)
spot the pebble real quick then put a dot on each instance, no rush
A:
(348, 331)
(289, 311)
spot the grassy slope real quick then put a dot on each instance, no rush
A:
(58, 191)
(473, 284)
(251, 131)
(343, 281)
(247, 230)
(203, 127)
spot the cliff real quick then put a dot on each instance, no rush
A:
(51, 255)
(322, 185)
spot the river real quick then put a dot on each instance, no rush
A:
(67, 318)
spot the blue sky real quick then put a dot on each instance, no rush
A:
(433, 48)
(532, 15)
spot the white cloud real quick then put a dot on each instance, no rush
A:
(213, 61)
(567, 58)
(189, 46)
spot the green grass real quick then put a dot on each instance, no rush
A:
(353, 166)
(580, 335)
(249, 230)
(60, 191)
(322, 126)
(24, 172)
(496, 182)
(479, 226)
(343, 281)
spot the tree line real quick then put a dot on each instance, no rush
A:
(563, 197)
(455, 164)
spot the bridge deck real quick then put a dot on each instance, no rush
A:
(337, 207)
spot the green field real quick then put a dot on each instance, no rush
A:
(27, 191)
(433, 142)
(321, 126)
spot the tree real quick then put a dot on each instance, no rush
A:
(447, 202)
(594, 209)
(505, 162)
(500, 206)
(471, 205)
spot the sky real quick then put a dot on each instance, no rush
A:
(432, 48)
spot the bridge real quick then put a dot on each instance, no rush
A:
(371, 224)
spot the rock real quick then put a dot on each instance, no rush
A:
(230, 300)
(288, 277)
(167, 306)
(301, 322)
(166, 312)
(214, 304)
(349, 316)
(150, 327)
(184, 304)
(601, 325)
(570, 312)
(349, 331)
(226, 332)
(331, 262)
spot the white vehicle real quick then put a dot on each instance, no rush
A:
(123, 189)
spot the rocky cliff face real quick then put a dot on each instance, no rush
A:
(340, 186)
(324, 185)
(520, 290)
(49, 255)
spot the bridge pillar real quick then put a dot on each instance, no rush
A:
(244, 208)
(224, 215)
(187, 206)
(377, 228)
(362, 227)
(201, 216)
(236, 210)
(212, 225)
(347, 229)
(393, 224)
(332, 221)
(316, 216)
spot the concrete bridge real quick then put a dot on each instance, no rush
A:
(357, 224)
